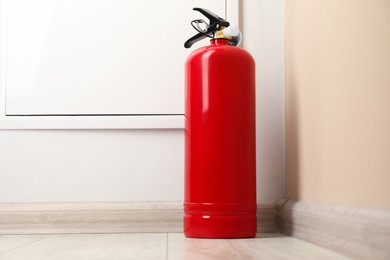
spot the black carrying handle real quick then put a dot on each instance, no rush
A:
(215, 24)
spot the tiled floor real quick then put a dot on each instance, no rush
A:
(156, 246)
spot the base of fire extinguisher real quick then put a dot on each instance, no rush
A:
(219, 226)
(221, 223)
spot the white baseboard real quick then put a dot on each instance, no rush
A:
(359, 233)
(116, 217)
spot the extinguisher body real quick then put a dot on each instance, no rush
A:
(220, 150)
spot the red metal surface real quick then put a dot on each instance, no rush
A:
(220, 160)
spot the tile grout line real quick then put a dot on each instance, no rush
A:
(29, 243)
(166, 253)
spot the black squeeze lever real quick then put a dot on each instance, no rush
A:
(215, 23)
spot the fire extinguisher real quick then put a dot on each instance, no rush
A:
(220, 149)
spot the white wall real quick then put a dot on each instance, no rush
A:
(91, 165)
(263, 32)
(141, 165)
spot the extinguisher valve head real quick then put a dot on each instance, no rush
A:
(215, 24)
(231, 31)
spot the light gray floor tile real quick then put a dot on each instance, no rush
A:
(9, 242)
(93, 246)
(154, 246)
(266, 246)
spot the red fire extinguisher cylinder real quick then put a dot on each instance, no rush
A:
(220, 152)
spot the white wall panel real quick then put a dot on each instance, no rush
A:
(91, 165)
(98, 56)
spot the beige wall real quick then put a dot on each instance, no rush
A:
(338, 101)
